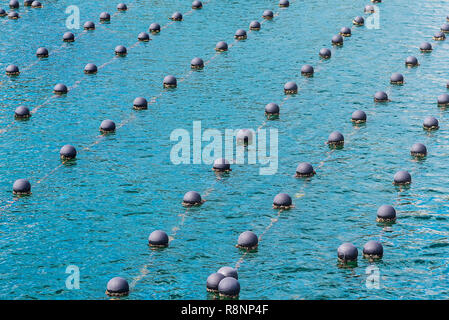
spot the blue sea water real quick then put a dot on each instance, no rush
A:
(97, 213)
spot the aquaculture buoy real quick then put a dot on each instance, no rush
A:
(244, 137)
(304, 169)
(197, 63)
(90, 68)
(248, 241)
(402, 178)
(22, 112)
(254, 25)
(337, 40)
(27, 3)
(14, 4)
(268, 14)
(192, 198)
(397, 78)
(213, 280)
(12, 70)
(140, 103)
(358, 116)
(358, 21)
(177, 16)
(107, 126)
(443, 100)
(282, 201)
(369, 9)
(325, 53)
(335, 139)
(68, 37)
(386, 213)
(445, 28)
(376, 1)
(104, 17)
(229, 272)
(221, 165)
(373, 250)
(284, 3)
(89, 25)
(197, 4)
(240, 34)
(272, 110)
(158, 238)
(221, 46)
(307, 70)
(439, 36)
(60, 88)
(143, 36)
(13, 15)
(21, 187)
(381, 96)
(418, 150)
(117, 287)
(170, 82)
(430, 123)
(67, 152)
(347, 252)
(36, 4)
(120, 51)
(229, 288)
(411, 61)
(2, 12)
(42, 52)
(290, 88)
(345, 32)
(155, 28)
(425, 47)
(122, 7)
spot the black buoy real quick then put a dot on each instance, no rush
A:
(229, 272)
(358, 21)
(229, 288)
(105, 17)
(117, 287)
(170, 82)
(386, 213)
(268, 14)
(140, 103)
(447, 84)
(381, 96)
(158, 238)
(411, 61)
(439, 36)
(3, 12)
(213, 280)
(443, 100)
(36, 4)
(240, 34)
(248, 241)
(68, 37)
(122, 7)
(345, 32)
(402, 178)
(418, 150)
(197, 4)
(376, 1)
(307, 70)
(197, 63)
(431, 123)
(397, 78)
(12, 70)
(290, 88)
(27, 3)
(304, 170)
(373, 250)
(282, 201)
(347, 253)
(244, 137)
(272, 110)
(90, 68)
(445, 28)
(336, 139)
(13, 15)
(60, 88)
(120, 51)
(21, 187)
(325, 53)
(14, 4)
(221, 46)
(67, 152)
(107, 126)
(177, 16)
(358, 116)
(155, 28)
(369, 9)
(42, 52)
(22, 112)
(337, 40)
(192, 198)
(284, 3)
(89, 25)
(254, 25)
(221, 165)
(425, 47)
(144, 37)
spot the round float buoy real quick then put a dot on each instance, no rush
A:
(337, 40)
(229, 272)
(68, 37)
(411, 61)
(122, 7)
(425, 47)
(22, 112)
(90, 68)
(325, 53)
(439, 36)
(397, 78)
(140, 103)
(107, 126)
(36, 4)
(27, 3)
(3, 12)
(358, 116)
(335, 139)
(304, 169)
(144, 37)
(373, 250)
(158, 238)
(345, 32)
(358, 21)
(89, 25)
(177, 16)
(443, 100)
(197, 4)
(430, 123)
(244, 137)
(307, 70)
(272, 110)
(120, 51)
(21, 187)
(14, 4)
(381, 96)
(170, 82)
(155, 28)
(445, 28)
(347, 253)
(105, 17)
(67, 152)
(290, 88)
(192, 198)
(60, 89)
(268, 14)
(418, 150)
(369, 9)
(221, 46)
(213, 280)
(42, 52)
(248, 241)
(284, 3)
(282, 201)
(386, 213)
(229, 288)
(13, 15)
(197, 63)
(240, 34)
(221, 165)
(12, 70)
(402, 178)
(254, 25)
(117, 287)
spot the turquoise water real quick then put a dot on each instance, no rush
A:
(97, 213)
